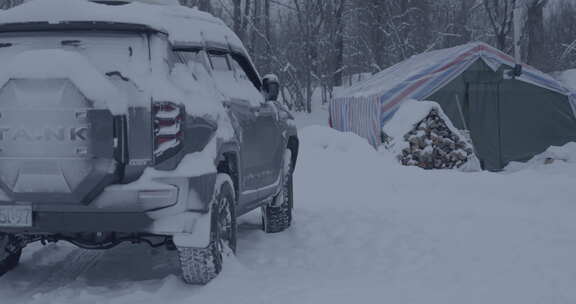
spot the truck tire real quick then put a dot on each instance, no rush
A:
(200, 265)
(8, 259)
(277, 216)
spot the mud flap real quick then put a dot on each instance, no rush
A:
(198, 236)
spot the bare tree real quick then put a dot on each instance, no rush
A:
(268, 36)
(6, 4)
(500, 14)
(560, 30)
(535, 32)
(238, 17)
(205, 5)
(315, 44)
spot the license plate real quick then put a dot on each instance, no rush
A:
(15, 216)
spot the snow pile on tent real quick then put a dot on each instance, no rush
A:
(553, 155)
(420, 134)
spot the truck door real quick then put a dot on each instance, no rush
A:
(258, 126)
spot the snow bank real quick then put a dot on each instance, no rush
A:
(331, 140)
(319, 115)
(553, 155)
(366, 230)
(352, 164)
(60, 64)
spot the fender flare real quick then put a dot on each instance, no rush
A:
(225, 151)
(200, 236)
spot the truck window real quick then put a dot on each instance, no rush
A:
(191, 62)
(219, 61)
(189, 56)
(243, 64)
(240, 73)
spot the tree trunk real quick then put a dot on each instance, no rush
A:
(6, 4)
(257, 29)
(268, 35)
(501, 41)
(246, 22)
(309, 63)
(537, 50)
(205, 5)
(238, 18)
(339, 45)
(500, 16)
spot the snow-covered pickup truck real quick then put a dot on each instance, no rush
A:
(133, 122)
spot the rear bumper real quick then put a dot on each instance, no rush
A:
(164, 206)
(62, 222)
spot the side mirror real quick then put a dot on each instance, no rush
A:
(271, 87)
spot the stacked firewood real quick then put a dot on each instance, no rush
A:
(433, 145)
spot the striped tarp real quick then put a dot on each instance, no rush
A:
(365, 107)
(360, 115)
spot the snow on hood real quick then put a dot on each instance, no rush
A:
(60, 64)
(183, 24)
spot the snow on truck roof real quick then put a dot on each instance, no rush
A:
(185, 26)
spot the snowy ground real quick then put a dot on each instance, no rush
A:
(366, 231)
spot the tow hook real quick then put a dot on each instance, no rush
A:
(11, 244)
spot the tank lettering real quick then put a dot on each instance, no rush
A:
(78, 134)
(22, 135)
(3, 131)
(45, 134)
(54, 134)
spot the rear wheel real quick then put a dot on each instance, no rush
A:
(200, 265)
(9, 253)
(277, 215)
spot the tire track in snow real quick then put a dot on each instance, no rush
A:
(72, 266)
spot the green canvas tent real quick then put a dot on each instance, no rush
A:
(509, 118)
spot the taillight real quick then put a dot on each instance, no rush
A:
(168, 131)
